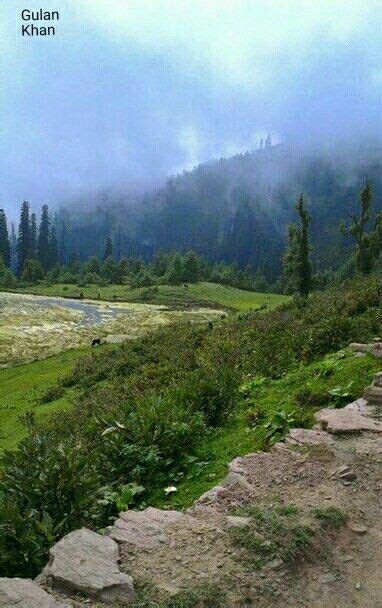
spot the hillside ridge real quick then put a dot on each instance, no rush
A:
(317, 487)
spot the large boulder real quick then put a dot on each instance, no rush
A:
(24, 593)
(144, 529)
(88, 562)
(347, 420)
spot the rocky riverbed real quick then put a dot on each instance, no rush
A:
(34, 327)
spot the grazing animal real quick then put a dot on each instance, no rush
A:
(81, 295)
(210, 324)
(96, 342)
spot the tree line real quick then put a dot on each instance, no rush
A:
(37, 254)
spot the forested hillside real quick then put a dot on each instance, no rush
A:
(234, 209)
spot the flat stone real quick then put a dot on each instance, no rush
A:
(357, 528)
(144, 529)
(24, 593)
(374, 348)
(236, 479)
(373, 395)
(238, 522)
(87, 562)
(275, 564)
(309, 437)
(347, 420)
(115, 338)
(344, 469)
(348, 476)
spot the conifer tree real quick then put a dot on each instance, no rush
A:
(108, 253)
(368, 244)
(23, 241)
(5, 248)
(43, 245)
(53, 247)
(13, 243)
(33, 238)
(297, 269)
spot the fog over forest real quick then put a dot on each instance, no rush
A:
(124, 96)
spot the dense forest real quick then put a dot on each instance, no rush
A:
(228, 219)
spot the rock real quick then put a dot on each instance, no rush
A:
(275, 564)
(344, 469)
(144, 529)
(235, 479)
(375, 348)
(308, 437)
(378, 379)
(238, 522)
(348, 476)
(347, 420)
(87, 562)
(24, 593)
(328, 578)
(373, 395)
(116, 338)
(358, 585)
(357, 528)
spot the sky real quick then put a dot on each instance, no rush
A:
(131, 91)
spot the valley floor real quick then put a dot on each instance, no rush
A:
(174, 296)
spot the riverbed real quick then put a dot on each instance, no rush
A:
(33, 327)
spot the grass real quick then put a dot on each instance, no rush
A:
(285, 533)
(203, 293)
(238, 437)
(330, 517)
(205, 595)
(19, 390)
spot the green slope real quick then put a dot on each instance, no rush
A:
(204, 293)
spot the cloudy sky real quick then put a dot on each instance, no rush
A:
(129, 91)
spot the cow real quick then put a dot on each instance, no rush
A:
(96, 342)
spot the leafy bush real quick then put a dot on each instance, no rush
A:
(45, 491)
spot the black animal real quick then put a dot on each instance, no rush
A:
(96, 342)
(210, 324)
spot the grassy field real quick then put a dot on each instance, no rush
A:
(19, 390)
(169, 295)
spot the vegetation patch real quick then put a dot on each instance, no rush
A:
(284, 533)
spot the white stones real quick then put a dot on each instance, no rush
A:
(347, 420)
(87, 562)
(24, 593)
(144, 529)
(237, 522)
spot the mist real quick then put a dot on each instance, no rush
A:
(131, 91)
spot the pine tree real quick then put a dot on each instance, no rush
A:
(53, 247)
(304, 267)
(297, 269)
(23, 241)
(33, 238)
(108, 253)
(5, 248)
(368, 245)
(43, 245)
(13, 243)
